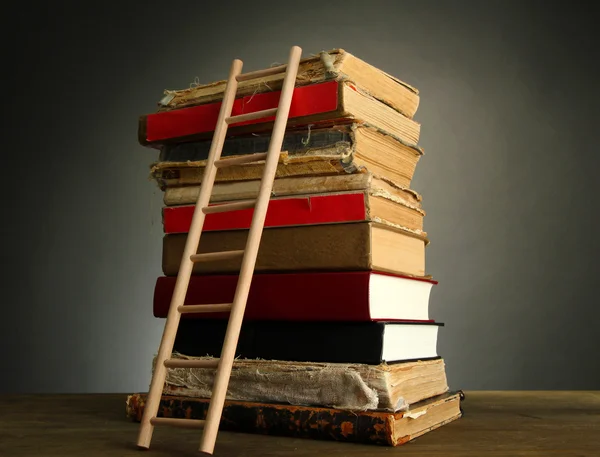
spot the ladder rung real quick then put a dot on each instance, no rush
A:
(187, 309)
(224, 255)
(185, 363)
(183, 423)
(261, 73)
(250, 116)
(241, 160)
(235, 206)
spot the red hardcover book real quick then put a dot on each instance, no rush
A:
(322, 104)
(308, 210)
(195, 120)
(325, 296)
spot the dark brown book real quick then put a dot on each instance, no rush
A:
(369, 427)
(329, 247)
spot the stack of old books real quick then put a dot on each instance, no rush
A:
(337, 341)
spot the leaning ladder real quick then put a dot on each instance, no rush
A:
(224, 364)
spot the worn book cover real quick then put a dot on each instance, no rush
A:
(349, 386)
(369, 427)
(333, 65)
(341, 150)
(325, 104)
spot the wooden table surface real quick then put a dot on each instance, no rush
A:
(494, 424)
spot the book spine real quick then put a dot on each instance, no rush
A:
(298, 211)
(277, 420)
(281, 188)
(293, 141)
(332, 342)
(201, 119)
(191, 174)
(310, 71)
(326, 247)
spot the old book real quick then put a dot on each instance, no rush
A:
(328, 247)
(322, 296)
(313, 209)
(336, 64)
(328, 342)
(349, 386)
(368, 427)
(339, 150)
(282, 187)
(326, 104)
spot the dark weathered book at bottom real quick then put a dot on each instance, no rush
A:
(372, 427)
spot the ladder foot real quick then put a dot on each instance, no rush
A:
(145, 436)
(206, 450)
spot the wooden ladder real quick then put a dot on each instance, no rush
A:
(224, 364)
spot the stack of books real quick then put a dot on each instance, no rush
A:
(337, 341)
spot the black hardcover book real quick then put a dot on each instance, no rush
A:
(345, 342)
(293, 141)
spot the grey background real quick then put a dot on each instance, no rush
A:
(509, 119)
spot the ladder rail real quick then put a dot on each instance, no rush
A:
(223, 372)
(186, 266)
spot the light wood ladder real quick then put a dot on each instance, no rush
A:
(224, 364)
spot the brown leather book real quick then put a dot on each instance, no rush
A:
(329, 247)
(369, 427)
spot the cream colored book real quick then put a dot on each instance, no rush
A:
(386, 387)
(336, 64)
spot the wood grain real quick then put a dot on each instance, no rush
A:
(494, 424)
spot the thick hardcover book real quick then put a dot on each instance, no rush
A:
(358, 387)
(334, 342)
(324, 104)
(326, 296)
(353, 246)
(368, 427)
(336, 64)
(341, 150)
(304, 210)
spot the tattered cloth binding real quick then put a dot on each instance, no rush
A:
(334, 65)
(369, 427)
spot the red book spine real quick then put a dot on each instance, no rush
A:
(330, 297)
(312, 210)
(306, 101)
